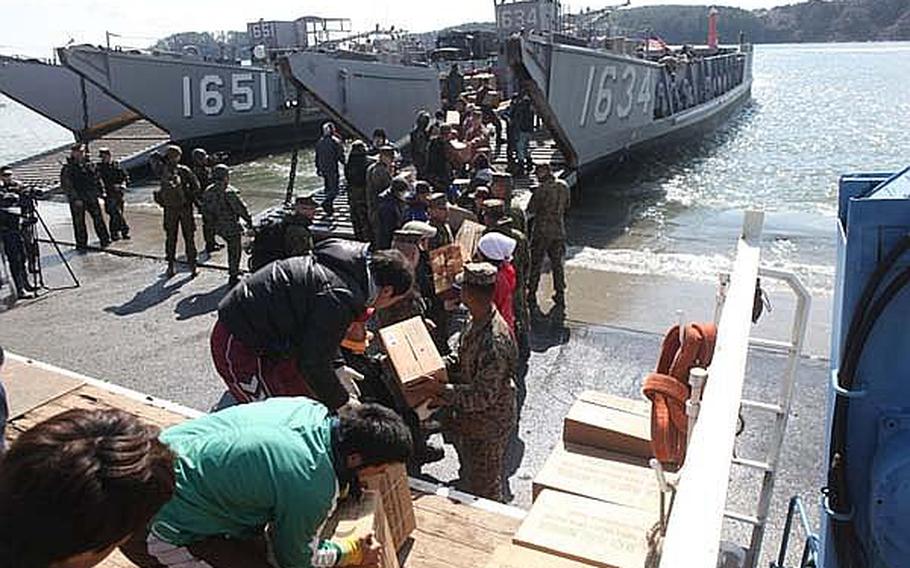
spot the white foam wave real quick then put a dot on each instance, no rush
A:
(686, 266)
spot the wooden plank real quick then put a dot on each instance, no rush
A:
(457, 512)
(461, 524)
(430, 550)
(694, 530)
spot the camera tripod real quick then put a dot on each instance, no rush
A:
(30, 219)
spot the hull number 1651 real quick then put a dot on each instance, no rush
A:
(616, 91)
(240, 91)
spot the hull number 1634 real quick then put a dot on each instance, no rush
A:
(616, 91)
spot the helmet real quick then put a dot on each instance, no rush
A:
(220, 172)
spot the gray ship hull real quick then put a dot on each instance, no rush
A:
(602, 106)
(244, 109)
(55, 92)
(364, 95)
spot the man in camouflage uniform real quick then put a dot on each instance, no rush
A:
(379, 179)
(547, 210)
(114, 178)
(502, 189)
(496, 220)
(481, 388)
(203, 172)
(298, 240)
(225, 209)
(436, 309)
(82, 186)
(175, 195)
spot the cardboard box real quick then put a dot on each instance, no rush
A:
(467, 238)
(586, 530)
(392, 486)
(360, 517)
(414, 357)
(610, 423)
(602, 475)
(512, 556)
(446, 263)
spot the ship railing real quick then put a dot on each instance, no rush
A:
(689, 84)
(695, 524)
(811, 543)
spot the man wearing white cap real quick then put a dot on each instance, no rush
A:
(497, 249)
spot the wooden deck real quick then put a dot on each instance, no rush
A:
(453, 530)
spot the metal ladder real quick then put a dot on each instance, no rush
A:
(780, 408)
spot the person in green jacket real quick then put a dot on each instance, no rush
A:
(280, 465)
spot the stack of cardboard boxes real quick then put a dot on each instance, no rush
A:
(596, 501)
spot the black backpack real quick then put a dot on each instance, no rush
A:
(268, 239)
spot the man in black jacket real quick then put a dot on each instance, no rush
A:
(82, 187)
(278, 331)
(355, 175)
(329, 153)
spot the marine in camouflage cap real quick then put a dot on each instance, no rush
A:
(221, 172)
(493, 206)
(477, 274)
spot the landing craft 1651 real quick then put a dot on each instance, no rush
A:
(244, 107)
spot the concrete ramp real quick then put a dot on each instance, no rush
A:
(363, 94)
(55, 92)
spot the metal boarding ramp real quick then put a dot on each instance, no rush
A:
(694, 525)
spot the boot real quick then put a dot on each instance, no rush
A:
(170, 269)
(233, 280)
(194, 272)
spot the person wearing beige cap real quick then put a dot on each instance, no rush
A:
(481, 388)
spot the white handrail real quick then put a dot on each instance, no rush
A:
(696, 522)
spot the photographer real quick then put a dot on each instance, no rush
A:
(14, 203)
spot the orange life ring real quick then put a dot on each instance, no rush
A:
(668, 388)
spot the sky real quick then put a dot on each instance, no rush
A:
(33, 27)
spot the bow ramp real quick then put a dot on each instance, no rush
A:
(60, 95)
(364, 94)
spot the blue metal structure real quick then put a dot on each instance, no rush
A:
(866, 512)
